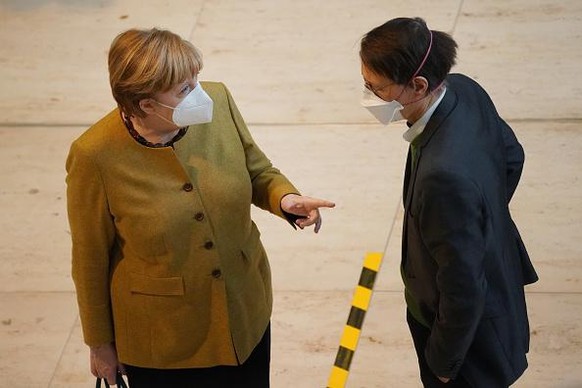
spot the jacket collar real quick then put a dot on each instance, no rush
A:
(440, 114)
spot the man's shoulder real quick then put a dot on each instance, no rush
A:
(466, 86)
(460, 81)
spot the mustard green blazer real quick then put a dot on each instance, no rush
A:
(165, 257)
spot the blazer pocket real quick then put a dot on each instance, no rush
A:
(145, 285)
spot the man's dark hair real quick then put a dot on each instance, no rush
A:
(396, 49)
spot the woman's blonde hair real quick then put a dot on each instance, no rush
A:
(145, 62)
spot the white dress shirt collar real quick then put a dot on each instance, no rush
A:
(417, 128)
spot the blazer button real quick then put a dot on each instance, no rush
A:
(199, 216)
(187, 187)
(216, 273)
(208, 245)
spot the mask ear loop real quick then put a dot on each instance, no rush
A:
(164, 105)
(420, 68)
(425, 57)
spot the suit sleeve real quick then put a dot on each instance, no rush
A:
(514, 157)
(93, 234)
(269, 184)
(451, 222)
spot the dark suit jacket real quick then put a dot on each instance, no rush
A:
(463, 259)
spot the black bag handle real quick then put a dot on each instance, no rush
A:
(119, 380)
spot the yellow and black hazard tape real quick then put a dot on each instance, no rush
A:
(351, 335)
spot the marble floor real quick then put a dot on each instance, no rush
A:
(293, 69)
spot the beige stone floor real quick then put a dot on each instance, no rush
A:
(293, 69)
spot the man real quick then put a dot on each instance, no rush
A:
(464, 264)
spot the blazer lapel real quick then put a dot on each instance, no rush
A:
(440, 114)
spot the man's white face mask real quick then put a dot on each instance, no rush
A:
(384, 111)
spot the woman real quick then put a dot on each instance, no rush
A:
(464, 264)
(173, 283)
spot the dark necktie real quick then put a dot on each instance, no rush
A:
(414, 154)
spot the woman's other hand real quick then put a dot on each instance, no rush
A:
(306, 207)
(104, 363)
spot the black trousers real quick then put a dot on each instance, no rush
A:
(254, 373)
(420, 334)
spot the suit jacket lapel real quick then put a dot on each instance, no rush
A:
(440, 114)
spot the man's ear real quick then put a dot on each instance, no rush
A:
(420, 85)
(147, 105)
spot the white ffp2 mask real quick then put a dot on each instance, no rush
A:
(195, 108)
(384, 111)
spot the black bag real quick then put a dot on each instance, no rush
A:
(119, 381)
